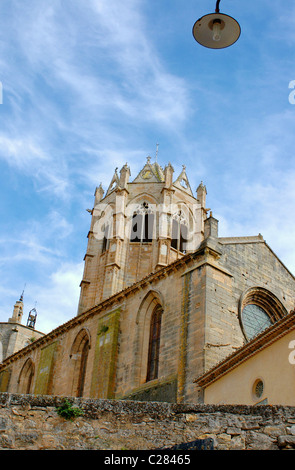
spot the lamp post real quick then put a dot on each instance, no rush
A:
(216, 30)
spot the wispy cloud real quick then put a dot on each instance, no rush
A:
(261, 198)
(57, 298)
(41, 241)
(89, 86)
(39, 257)
(83, 82)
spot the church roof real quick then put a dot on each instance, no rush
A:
(182, 182)
(154, 173)
(151, 173)
(114, 183)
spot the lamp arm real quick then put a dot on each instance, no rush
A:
(217, 6)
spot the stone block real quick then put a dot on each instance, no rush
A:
(286, 441)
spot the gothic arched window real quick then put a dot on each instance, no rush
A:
(106, 239)
(142, 224)
(79, 354)
(255, 319)
(82, 371)
(258, 310)
(179, 236)
(26, 377)
(154, 344)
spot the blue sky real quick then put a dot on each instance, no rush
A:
(89, 86)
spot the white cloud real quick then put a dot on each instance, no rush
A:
(28, 156)
(57, 300)
(41, 242)
(56, 46)
(266, 208)
(21, 153)
(87, 88)
(85, 82)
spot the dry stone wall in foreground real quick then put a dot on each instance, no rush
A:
(29, 422)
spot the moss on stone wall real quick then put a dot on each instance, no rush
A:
(106, 348)
(45, 369)
(4, 380)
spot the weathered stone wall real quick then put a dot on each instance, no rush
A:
(245, 263)
(14, 336)
(29, 422)
(255, 264)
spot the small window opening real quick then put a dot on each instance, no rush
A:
(179, 234)
(258, 388)
(106, 239)
(142, 225)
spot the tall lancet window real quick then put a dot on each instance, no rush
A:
(82, 371)
(107, 229)
(142, 224)
(79, 355)
(26, 377)
(106, 239)
(154, 344)
(179, 232)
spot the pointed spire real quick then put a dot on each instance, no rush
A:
(17, 311)
(114, 182)
(124, 176)
(22, 294)
(182, 181)
(98, 194)
(168, 173)
(157, 151)
(201, 194)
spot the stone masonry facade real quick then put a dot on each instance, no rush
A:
(200, 326)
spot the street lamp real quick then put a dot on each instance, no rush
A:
(216, 30)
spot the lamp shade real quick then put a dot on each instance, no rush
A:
(216, 31)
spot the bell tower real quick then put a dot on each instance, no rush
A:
(138, 227)
(17, 313)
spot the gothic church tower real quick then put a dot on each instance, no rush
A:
(139, 227)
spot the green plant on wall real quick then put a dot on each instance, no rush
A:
(68, 411)
(103, 329)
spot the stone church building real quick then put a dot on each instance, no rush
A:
(14, 335)
(163, 298)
